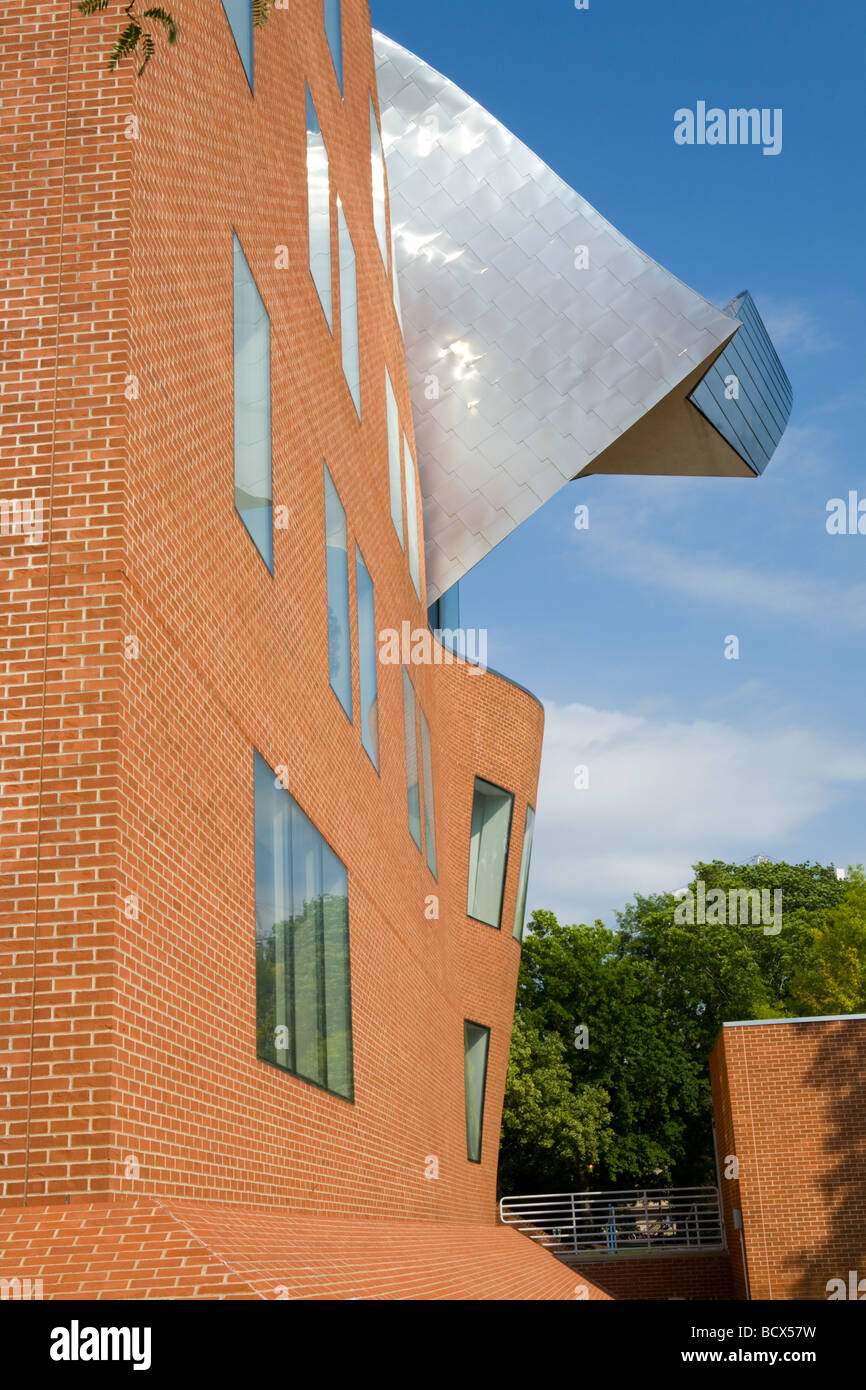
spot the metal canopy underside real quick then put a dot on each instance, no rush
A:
(542, 345)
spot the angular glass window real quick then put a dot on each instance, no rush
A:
(377, 156)
(306, 999)
(397, 305)
(367, 660)
(303, 986)
(413, 785)
(412, 515)
(523, 883)
(443, 616)
(338, 989)
(319, 211)
(239, 14)
(252, 408)
(476, 1045)
(334, 32)
(429, 810)
(488, 851)
(339, 651)
(395, 475)
(349, 309)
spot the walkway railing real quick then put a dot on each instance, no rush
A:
(612, 1223)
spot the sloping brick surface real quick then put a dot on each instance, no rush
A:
(144, 1250)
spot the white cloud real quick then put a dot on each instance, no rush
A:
(793, 327)
(802, 598)
(664, 794)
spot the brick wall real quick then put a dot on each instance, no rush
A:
(66, 179)
(145, 1248)
(127, 783)
(790, 1105)
(702, 1277)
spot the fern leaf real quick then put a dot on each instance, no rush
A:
(147, 48)
(126, 44)
(92, 6)
(261, 12)
(165, 19)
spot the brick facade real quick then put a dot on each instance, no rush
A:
(146, 1248)
(151, 652)
(790, 1106)
(652, 1278)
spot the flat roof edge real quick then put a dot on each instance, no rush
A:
(818, 1018)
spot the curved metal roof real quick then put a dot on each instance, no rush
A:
(542, 344)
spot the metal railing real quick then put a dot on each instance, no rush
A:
(611, 1223)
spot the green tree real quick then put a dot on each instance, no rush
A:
(833, 980)
(551, 1130)
(578, 977)
(653, 995)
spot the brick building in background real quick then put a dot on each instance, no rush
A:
(263, 891)
(790, 1106)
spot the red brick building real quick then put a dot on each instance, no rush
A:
(790, 1108)
(262, 891)
(154, 654)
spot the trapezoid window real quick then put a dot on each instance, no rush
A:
(476, 1047)
(412, 527)
(252, 408)
(488, 851)
(377, 158)
(339, 648)
(523, 884)
(367, 660)
(303, 983)
(239, 14)
(334, 34)
(429, 809)
(319, 211)
(413, 779)
(349, 309)
(395, 473)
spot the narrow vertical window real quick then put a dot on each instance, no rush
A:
(412, 515)
(334, 32)
(429, 805)
(488, 851)
(525, 861)
(397, 305)
(444, 615)
(273, 813)
(413, 784)
(395, 476)
(303, 985)
(339, 651)
(476, 1046)
(319, 211)
(338, 990)
(349, 309)
(239, 14)
(306, 997)
(377, 157)
(367, 660)
(252, 408)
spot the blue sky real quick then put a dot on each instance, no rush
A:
(620, 630)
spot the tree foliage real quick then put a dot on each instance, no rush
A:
(135, 40)
(550, 1128)
(833, 978)
(652, 995)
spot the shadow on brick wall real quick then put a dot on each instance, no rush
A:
(838, 1142)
